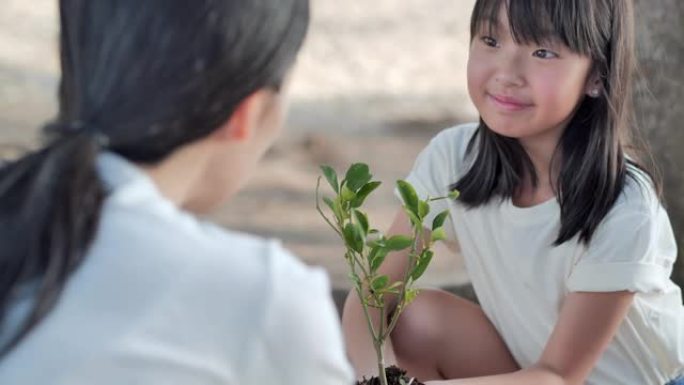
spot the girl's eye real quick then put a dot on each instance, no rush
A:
(490, 41)
(545, 54)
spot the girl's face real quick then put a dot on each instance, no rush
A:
(525, 91)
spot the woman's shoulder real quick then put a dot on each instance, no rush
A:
(219, 289)
(194, 258)
(162, 231)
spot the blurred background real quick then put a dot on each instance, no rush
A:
(374, 82)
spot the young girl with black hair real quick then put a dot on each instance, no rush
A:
(564, 237)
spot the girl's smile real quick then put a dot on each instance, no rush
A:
(508, 103)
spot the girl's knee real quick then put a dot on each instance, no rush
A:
(421, 325)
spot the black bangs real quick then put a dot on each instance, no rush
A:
(574, 23)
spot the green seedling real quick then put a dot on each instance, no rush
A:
(367, 248)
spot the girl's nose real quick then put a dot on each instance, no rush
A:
(510, 71)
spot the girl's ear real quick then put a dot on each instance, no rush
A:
(241, 125)
(594, 86)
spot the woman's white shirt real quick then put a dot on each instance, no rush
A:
(164, 298)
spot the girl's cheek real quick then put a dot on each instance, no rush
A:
(476, 78)
(479, 64)
(564, 86)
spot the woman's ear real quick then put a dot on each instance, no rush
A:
(244, 120)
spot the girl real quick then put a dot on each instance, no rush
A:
(105, 276)
(564, 238)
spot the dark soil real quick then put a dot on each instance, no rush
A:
(395, 376)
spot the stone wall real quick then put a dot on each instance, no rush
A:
(660, 101)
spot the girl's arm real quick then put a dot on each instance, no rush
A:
(586, 325)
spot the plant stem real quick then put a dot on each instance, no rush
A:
(379, 342)
(393, 321)
(358, 262)
(369, 321)
(318, 207)
(381, 369)
(417, 230)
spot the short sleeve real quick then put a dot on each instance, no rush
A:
(633, 250)
(438, 166)
(302, 336)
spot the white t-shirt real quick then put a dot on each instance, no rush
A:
(521, 279)
(163, 298)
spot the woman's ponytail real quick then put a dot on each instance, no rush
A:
(50, 203)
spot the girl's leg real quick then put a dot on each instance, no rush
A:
(442, 336)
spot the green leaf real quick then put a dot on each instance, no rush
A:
(330, 203)
(362, 219)
(377, 257)
(331, 176)
(346, 194)
(375, 238)
(398, 242)
(356, 281)
(353, 237)
(375, 243)
(454, 194)
(438, 234)
(413, 217)
(394, 288)
(408, 195)
(357, 176)
(440, 219)
(423, 209)
(423, 263)
(411, 295)
(395, 285)
(334, 206)
(364, 192)
(343, 213)
(380, 283)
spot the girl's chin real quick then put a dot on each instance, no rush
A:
(507, 129)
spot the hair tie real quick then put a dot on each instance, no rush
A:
(75, 128)
(101, 139)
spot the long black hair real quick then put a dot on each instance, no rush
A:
(140, 78)
(593, 160)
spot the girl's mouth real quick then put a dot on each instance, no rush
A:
(508, 103)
